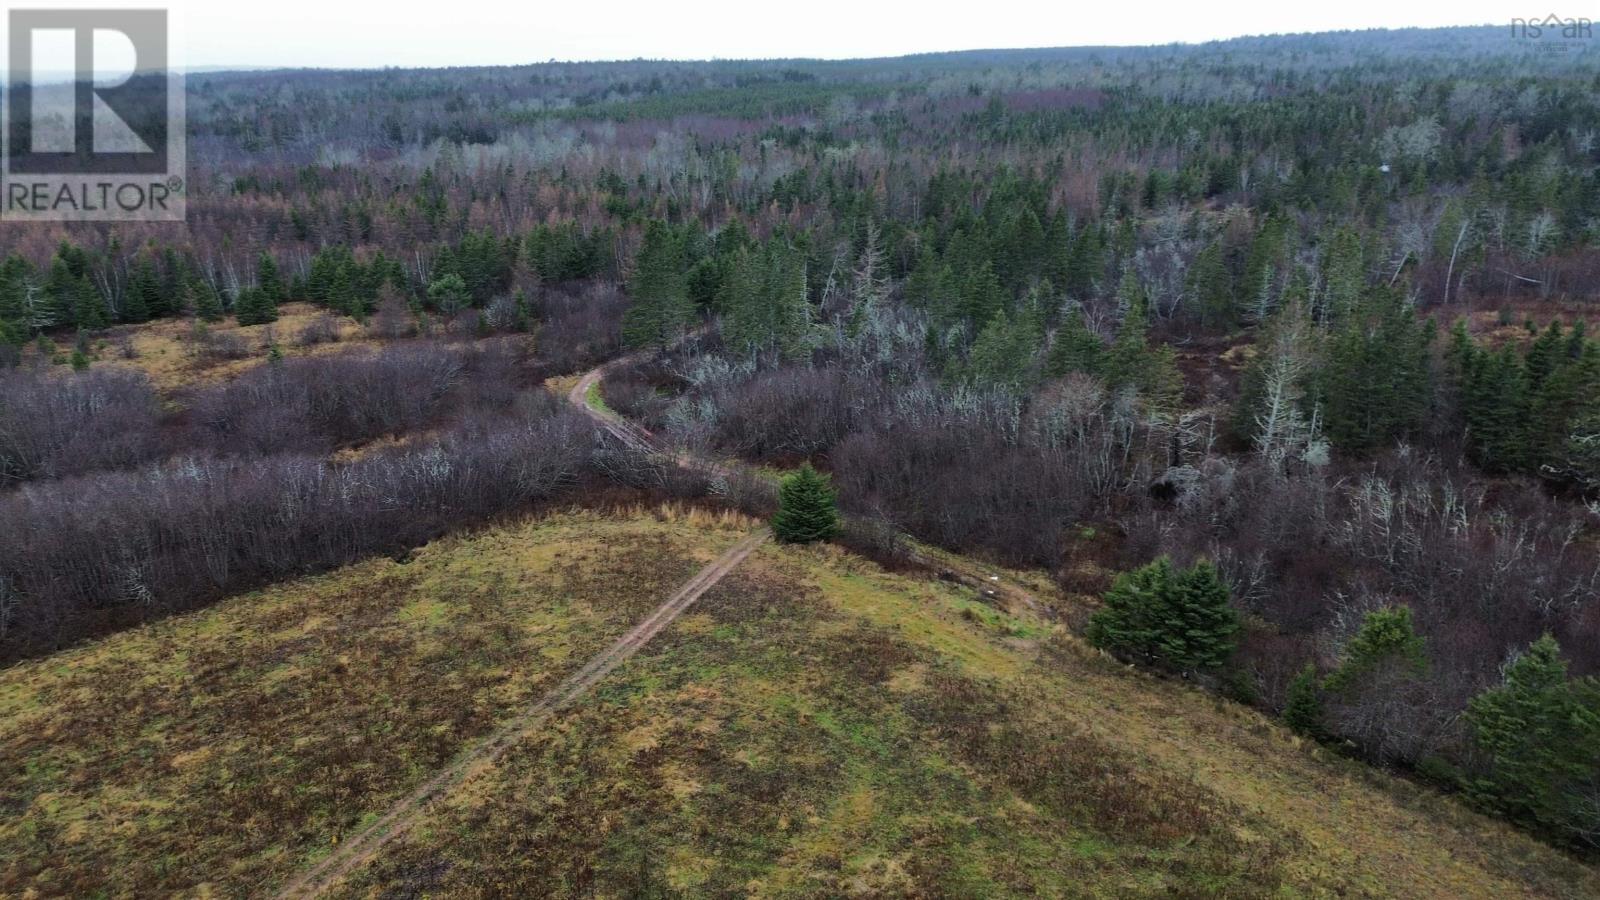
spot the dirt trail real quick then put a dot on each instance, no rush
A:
(364, 846)
(947, 566)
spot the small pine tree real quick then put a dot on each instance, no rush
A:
(1302, 708)
(807, 509)
(254, 307)
(448, 294)
(523, 313)
(1200, 631)
(204, 300)
(80, 360)
(1129, 621)
(268, 280)
(1386, 637)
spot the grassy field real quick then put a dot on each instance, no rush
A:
(217, 752)
(815, 726)
(166, 351)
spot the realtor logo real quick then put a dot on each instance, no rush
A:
(93, 117)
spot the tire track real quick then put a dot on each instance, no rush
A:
(947, 566)
(365, 845)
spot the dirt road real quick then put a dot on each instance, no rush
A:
(948, 566)
(364, 846)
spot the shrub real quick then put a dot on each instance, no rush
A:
(118, 548)
(53, 426)
(323, 329)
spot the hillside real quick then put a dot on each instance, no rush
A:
(814, 725)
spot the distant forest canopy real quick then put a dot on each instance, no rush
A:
(1409, 135)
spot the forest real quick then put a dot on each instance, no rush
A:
(1299, 333)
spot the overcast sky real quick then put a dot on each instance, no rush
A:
(374, 33)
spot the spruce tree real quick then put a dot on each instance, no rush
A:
(203, 300)
(145, 291)
(1129, 622)
(135, 306)
(448, 294)
(1180, 620)
(1199, 634)
(807, 509)
(1540, 733)
(1084, 264)
(1002, 356)
(89, 310)
(1386, 637)
(254, 307)
(1302, 707)
(1343, 275)
(1376, 382)
(661, 308)
(1075, 348)
(1212, 288)
(269, 282)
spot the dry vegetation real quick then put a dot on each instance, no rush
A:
(219, 751)
(815, 726)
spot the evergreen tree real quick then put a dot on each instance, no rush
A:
(1002, 356)
(1302, 707)
(145, 292)
(1376, 381)
(1128, 358)
(807, 509)
(1085, 264)
(765, 303)
(1343, 275)
(1540, 733)
(1157, 614)
(203, 300)
(1495, 406)
(1075, 348)
(1266, 256)
(1212, 288)
(661, 308)
(135, 303)
(1199, 632)
(88, 309)
(341, 291)
(254, 307)
(982, 295)
(269, 282)
(1273, 412)
(448, 294)
(1386, 638)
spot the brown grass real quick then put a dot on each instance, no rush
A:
(219, 751)
(819, 727)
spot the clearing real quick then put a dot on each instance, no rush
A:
(814, 725)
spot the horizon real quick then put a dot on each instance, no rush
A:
(362, 35)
